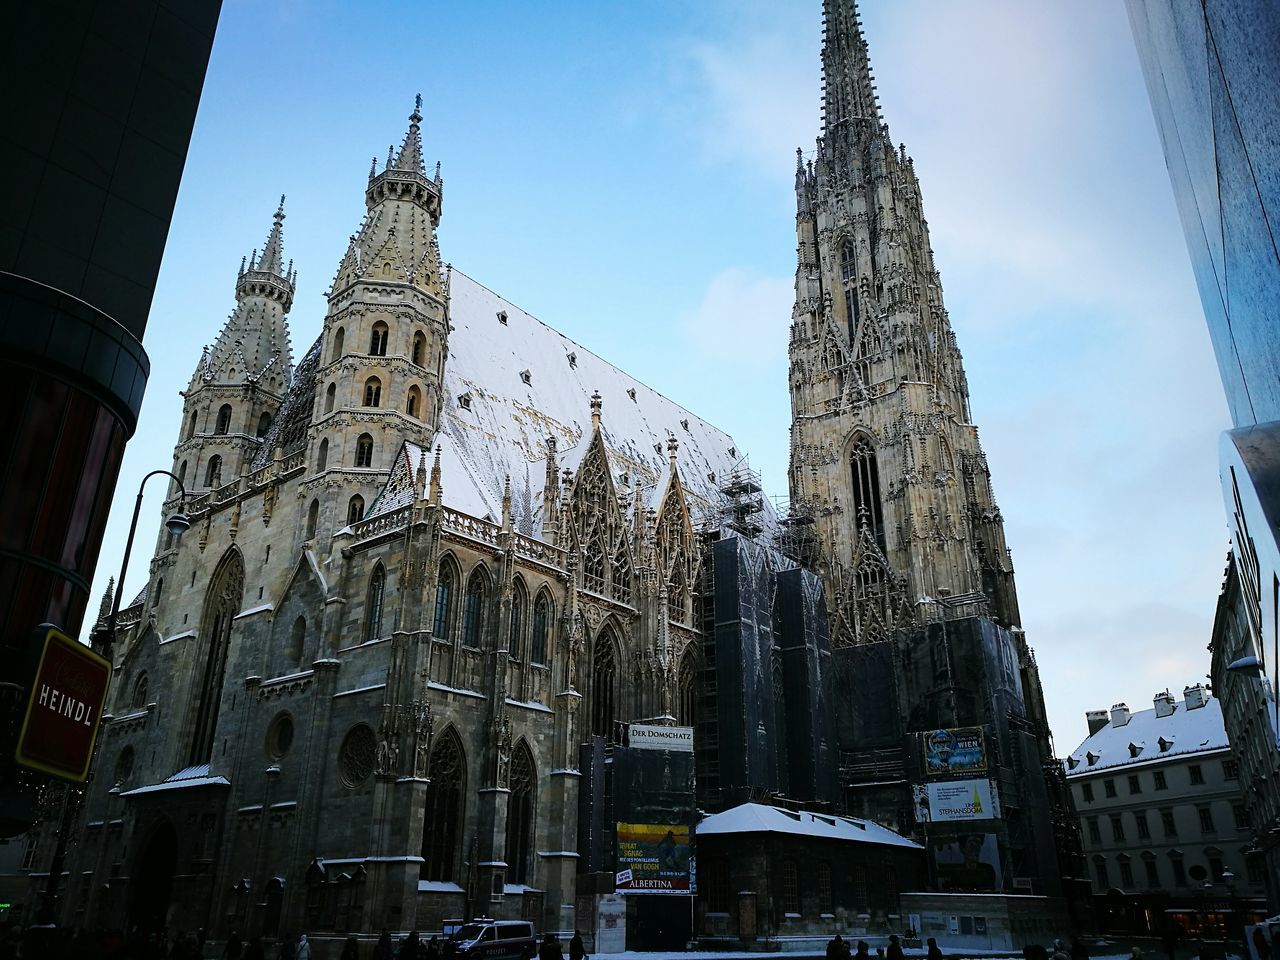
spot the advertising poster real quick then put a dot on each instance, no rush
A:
(959, 750)
(652, 858)
(970, 862)
(955, 800)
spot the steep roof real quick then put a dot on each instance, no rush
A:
(761, 818)
(1198, 730)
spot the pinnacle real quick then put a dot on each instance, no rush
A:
(272, 259)
(410, 156)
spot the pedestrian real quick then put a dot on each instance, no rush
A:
(409, 947)
(1060, 951)
(835, 947)
(933, 953)
(1078, 950)
(433, 949)
(351, 949)
(576, 949)
(550, 948)
(862, 953)
(895, 949)
(303, 950)
(382, 949)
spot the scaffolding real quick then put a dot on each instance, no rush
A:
(744, 499)
(797, 535)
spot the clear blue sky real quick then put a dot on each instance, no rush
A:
(624, 172)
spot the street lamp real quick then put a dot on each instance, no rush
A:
(176, 523)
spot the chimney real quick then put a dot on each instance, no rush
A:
(1165, 704)
(1097, 719)
(1119, 714)
(1195, 697)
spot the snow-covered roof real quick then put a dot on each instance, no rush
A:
(761, 818)
(1147, 737)
(524, 382)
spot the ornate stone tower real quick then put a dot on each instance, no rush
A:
(241, 379)
(885, 460)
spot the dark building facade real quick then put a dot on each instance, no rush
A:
(98, 110)
(1213, 74)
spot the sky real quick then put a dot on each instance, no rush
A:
(624, 172)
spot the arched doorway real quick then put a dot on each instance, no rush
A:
(152, 885)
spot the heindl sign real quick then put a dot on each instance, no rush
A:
(64, 709)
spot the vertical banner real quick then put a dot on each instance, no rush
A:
(654, 810)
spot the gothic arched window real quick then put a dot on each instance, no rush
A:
(338, 338)
(413, 402)
(541, 626)
(297, 640)
(330, 396)
(687, 688)
(848, 262)
(678, 595)
(445, 587)
(224, 419)
(519, 604)
(604, 682)
(364, 450)
(213, 473)
(866, 489)
(264, 424)
(473, 609)
(419, 352)
(442, 821)
(378, 340)
(622, 576)
(520, 814)
(322, 456)
(191, 426)
(373, 605)
(313, 518)
(182, 474)
(593, 565)
(139, 697)
(355, 509)
(221, 605)
(373, 392)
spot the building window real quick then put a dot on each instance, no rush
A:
(338, 338)
(1206, 820)
(373, 392)
(1179, 872)
(1109, 787)
(191, 426)
(264, 424)
(687, 688)
(413, 402)
(1197, 775)
(419, 351)
(364, 451)
(473, 609)
(1215, 864)
(848, 262)
(867, 510)
(541, 625)
(442, 822)
(213, 472)
(520, 815)
(1135, 785)
(139, 698)
(124, 765)
(861, 903)
(330, 395)
(1161, 782)
(1100, 872)
(313, 518)
(1254, 868)
(718, 886)
(1153, 872)
(355, 509)
(297, 640)
(444, 602)
(322, 456)
(1140, 818)
(603, 685)
(32, 851)
(1231, 769)
(1166, 821)
(790, 887)
(378, 340)
(519, 603)
(1086, 792)
(1126, 873)
(279, 736)
(1095, 835)
(825, 902)
(1117, 828)
(373, 605)
(222, 604)
(224, 419)
(1241, 816)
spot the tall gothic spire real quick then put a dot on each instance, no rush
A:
(849, 95)
(410, 155)
(271, 260)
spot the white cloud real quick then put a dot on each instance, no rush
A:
(742, 319)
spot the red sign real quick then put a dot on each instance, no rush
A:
(65, 708)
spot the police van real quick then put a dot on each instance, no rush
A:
(496, 940)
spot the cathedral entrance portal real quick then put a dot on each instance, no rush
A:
(152, 886)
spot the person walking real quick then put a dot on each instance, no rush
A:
(933, 952)
(895, 949)
(433, 949)
(835, 947)
(382, 949)
(550, 948)
(576, 949)
(409, 947)
(303, 949)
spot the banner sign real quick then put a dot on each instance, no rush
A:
(960, 750)
(962, 800)
(652, 858)
(64, 708)
(644, 736)
(970, 862)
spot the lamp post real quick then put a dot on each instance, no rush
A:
(177, 524)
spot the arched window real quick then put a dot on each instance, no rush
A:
(677, 596)
(322, 456)
(364, 450)
(221, 605)
(191, 426)
(445, 587)
(593, 564)
(155, 594)
(520, 814)
(355, 509)
(541, 627)
(373, 392)
(622, 576)
(414, 401)
(313, 518)
(339, 337)
(473, 609)
(224, 419)
(848, 262)
(182, 474)
(373, 605)
(264, 424)
(866, 489)
(442, 822)
(604, 680)
(419, 352)
(297, 640)
(378, 340)
(519, 603)
(330, 395)
(687, 688)
(139, 696)
(213, 472)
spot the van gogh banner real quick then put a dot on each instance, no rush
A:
(959, 750)
(652, 858)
